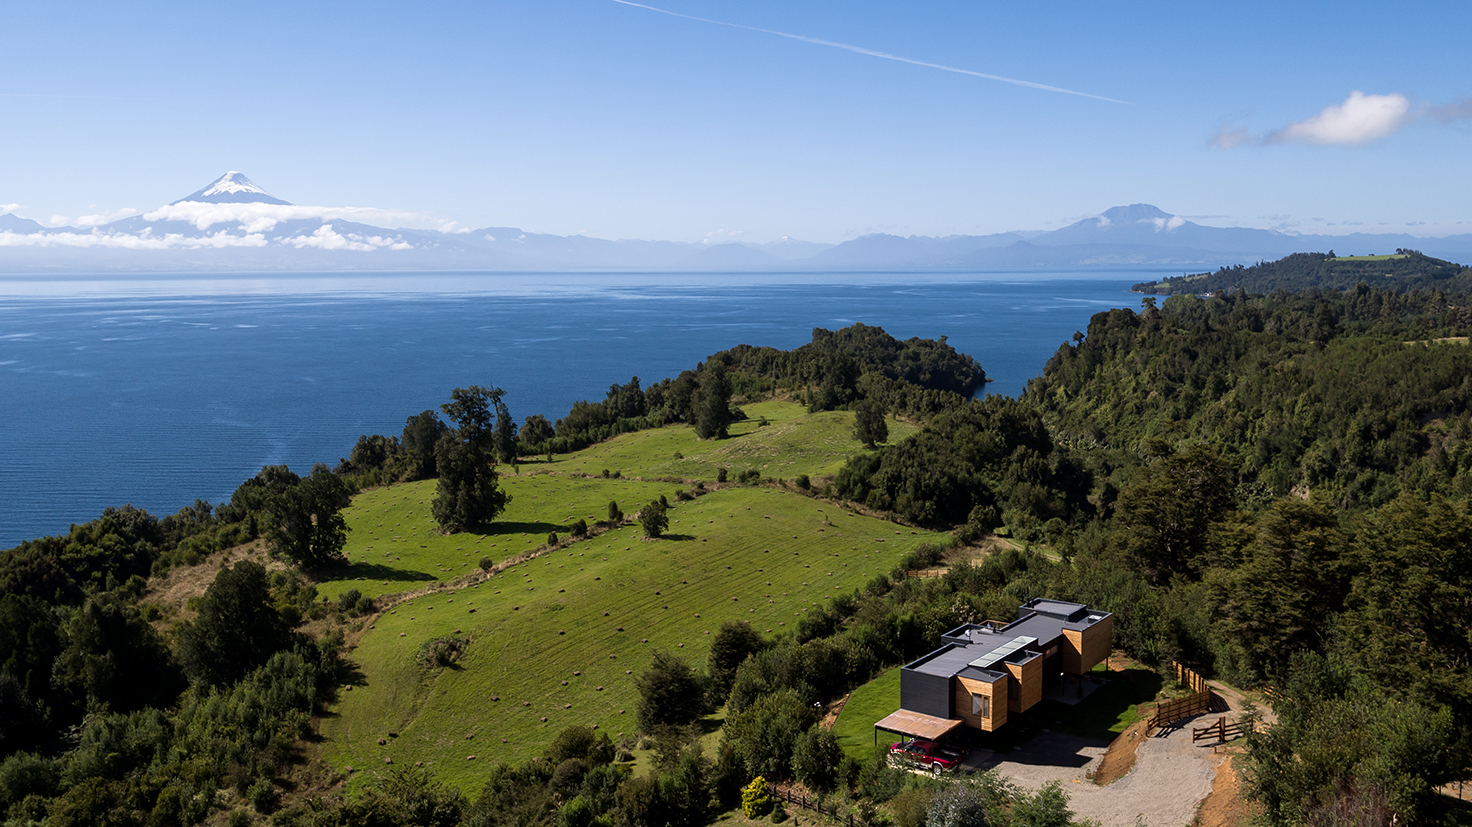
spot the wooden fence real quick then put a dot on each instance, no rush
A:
(1189, 678)
(1171, 711)
(1222, 731)
(802, 800)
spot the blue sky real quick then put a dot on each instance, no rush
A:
(601, 117)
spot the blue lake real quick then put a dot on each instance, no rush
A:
(155, 391)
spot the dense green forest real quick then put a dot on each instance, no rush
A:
(1402, 271)
(1273, 487)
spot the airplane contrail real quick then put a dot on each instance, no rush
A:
(872, 53)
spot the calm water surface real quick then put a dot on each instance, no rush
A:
(156, 391)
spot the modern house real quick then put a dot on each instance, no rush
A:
(984, 672)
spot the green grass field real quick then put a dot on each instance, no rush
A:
(394, 544)
(793, 442)
(583, 615)
(865, 707)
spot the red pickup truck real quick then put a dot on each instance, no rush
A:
(925, 754)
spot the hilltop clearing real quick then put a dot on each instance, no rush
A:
(597, 608)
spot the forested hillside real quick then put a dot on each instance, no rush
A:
(1399, 272)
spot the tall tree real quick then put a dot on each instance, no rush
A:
(712, 403)
(869, 425)
(505, 436)
(669, 693)
(469, 494)
(115, 659)
(1162, 520)
(237, 628)
(304, 522)
(535, 431)
(421, 436)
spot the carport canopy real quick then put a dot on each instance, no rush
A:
(916, 725)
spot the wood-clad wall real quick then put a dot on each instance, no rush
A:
(1029, 677)
(1032, 682)
(965, 688)
(1098, 641)
(1071, 651)
(1084, 650)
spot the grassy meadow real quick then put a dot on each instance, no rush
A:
(556, 640)
(793, 442)
(394, 544)
(866, 706)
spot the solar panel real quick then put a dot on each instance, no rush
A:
(1001, 652)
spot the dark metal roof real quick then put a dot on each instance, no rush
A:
(977, 648)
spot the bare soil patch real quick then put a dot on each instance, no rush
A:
(173, 591)
(1119, 759)
(1225, 806)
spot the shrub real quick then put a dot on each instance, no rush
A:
(756, 798)
(664, 501)
(349, 600)
(670, 693)
(720, 475)
(750, 475)
(654, 519)
(803, 482)
(552, 538)
(486, 564)
(579, 528)
(440, 652)
(614, 514)
(779, 813)
(683, 496)
(815, 759)
(575, 813)
(263, 796)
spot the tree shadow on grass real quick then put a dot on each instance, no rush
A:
(539, 527)
(1100, 714)
(679, 538)
(379, 572)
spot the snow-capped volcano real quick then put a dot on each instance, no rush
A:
(233, 188)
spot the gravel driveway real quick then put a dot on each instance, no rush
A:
(1168, 782)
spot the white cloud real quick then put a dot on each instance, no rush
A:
(326, 238)
(123, 241)
(258, 218)
(1167, 224)
(9, 208)
(105, 217)
(722, 236)
(1360, 119)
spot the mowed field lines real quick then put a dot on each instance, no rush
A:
(793, 442)
(394, 544)
(556, 641)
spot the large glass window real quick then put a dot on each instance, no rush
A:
(981, 705)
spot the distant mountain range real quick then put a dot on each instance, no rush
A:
(235, 225)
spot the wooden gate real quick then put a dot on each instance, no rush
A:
(1221, 732)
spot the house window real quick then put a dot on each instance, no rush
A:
(981, 705)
